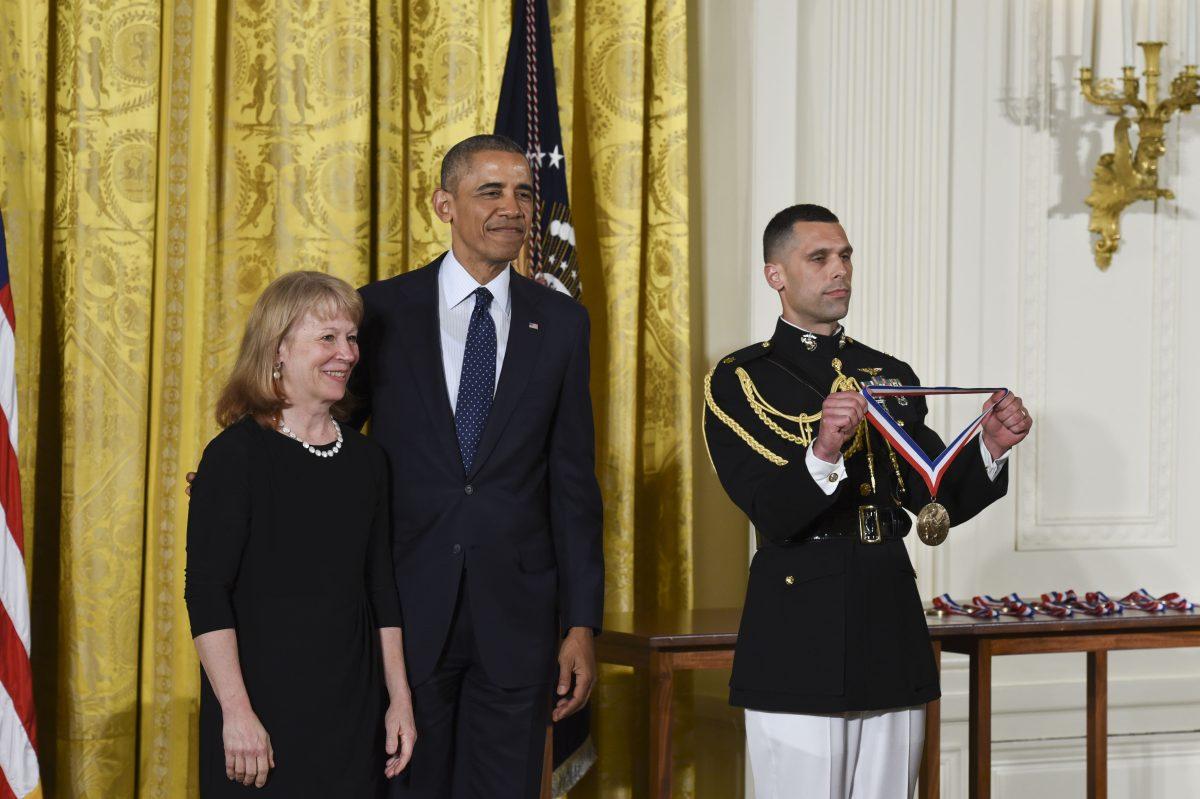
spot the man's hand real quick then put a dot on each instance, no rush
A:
(1007, 425)
(400, 734)
(577, 663)
(248, 753)
(187, 489)
(841, 414)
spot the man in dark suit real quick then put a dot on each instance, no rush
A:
(833, 662)
(475, 380)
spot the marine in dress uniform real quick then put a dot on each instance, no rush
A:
(833, 661)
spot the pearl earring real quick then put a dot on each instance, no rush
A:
(276, 374)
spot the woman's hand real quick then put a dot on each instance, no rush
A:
(248, 752)
(400, 734)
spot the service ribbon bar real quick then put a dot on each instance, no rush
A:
(932, 470)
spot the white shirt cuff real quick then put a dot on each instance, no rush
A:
(992, 465)
(827, 475)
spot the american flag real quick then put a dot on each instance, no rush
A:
(18, 752)
(528, 114)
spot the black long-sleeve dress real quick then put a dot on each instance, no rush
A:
(293, 552)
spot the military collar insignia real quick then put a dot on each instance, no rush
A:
(800, 343)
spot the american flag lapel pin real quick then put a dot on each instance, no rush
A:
(533, 326)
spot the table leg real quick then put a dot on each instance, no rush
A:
(662, 676)
(980, 725)
(548, 764)
(931, 758)
(1097, 725)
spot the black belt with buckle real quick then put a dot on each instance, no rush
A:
(870, 524)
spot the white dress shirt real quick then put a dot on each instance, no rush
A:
(455, 304)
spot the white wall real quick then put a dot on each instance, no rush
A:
(951, 140)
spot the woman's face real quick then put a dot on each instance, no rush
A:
(317, 356)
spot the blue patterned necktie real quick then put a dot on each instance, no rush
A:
(477, 384)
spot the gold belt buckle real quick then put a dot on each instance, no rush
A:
(869, 528)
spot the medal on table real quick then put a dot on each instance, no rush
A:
(933, 521)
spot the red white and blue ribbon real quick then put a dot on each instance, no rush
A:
(1063, 604)
(932, 470)
(1175, 602)
(1146, 602)
(947, 605)
(1049, 607)
(1090, 603)
(1011, 605)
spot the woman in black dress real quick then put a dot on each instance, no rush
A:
(289, 587)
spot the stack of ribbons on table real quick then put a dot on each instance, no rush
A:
(1060, 605)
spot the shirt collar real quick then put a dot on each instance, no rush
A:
(458, 285)
(840, 328)
(798, 344)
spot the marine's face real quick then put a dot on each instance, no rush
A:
(812, 276)
(490, 208)
(318, 354)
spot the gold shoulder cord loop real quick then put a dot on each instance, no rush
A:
(804, 438)
(761, 408)
(737, 428)
(844, 383)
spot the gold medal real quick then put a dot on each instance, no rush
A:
(933, 524)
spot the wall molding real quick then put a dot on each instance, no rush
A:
(1037, 528)
(1163, 765)
(887, 176)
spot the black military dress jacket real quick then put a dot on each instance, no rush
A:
(832, 624)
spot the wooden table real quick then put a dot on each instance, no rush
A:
(665, 642)
(661, 644)
(981, 640)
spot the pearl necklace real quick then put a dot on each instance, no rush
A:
(320, 453)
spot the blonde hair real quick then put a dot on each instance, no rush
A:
(251, 389)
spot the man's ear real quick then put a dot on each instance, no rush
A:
(774, 276)
(443, 204)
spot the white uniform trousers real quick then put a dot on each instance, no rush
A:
(855, 755)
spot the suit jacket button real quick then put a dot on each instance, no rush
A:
(469, 490)
(457, 550)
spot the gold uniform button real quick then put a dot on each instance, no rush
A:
(790, 580)
(727, 360)
(766, 343)
(833, 477)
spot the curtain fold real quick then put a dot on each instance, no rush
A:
(161, 163)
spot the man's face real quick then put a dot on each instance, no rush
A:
(812, 275)
(489, 209)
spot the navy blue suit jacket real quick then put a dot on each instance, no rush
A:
(523, 527)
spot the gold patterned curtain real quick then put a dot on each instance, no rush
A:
(161, 162)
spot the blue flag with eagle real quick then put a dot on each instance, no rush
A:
(528, 114)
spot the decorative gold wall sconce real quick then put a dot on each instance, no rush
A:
(1125, 175)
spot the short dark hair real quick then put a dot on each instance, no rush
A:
(779, 230)
(458, 158)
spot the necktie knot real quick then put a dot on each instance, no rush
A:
(483, 298)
